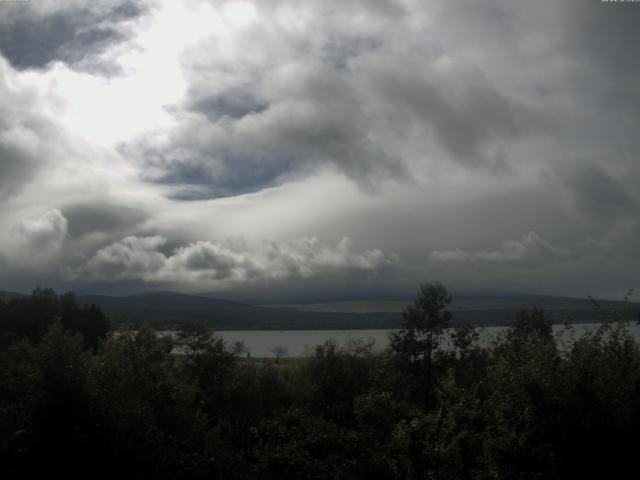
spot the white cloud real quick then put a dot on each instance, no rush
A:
(206, 263)
(132, 257)
(46, 232)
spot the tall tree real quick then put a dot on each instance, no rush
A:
(418, 338)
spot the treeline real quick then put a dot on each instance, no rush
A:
(79, 401)
(31, 317)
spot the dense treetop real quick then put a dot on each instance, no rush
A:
(79, 400)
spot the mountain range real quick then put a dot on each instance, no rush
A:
(169, 309)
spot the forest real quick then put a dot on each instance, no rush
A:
(79, 399)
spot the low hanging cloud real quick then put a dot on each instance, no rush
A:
(530, 249)
(206, 263)
(101, 217)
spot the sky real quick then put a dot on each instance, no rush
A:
(284, 149)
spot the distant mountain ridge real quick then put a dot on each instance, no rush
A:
(170, 308)
(167, 310)
(6, 296)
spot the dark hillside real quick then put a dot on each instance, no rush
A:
(167, 309)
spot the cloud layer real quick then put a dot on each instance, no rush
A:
(229, 144)
(531, 249)
(216, 266)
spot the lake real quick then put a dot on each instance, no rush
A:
(296, 343)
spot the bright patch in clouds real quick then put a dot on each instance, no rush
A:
(239, 14)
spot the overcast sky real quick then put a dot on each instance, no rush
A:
(301, 148)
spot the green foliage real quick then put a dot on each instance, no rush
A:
(32, 316)
(147, 407)
(298, 444)
(423, 323)
(209, 365)
(530, 326)
(333, 376)
(417, 342)
(139, 405)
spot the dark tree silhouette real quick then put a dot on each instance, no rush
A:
(420, 334)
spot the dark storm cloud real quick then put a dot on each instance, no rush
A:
(356, 91)
(465, 113)
(598, 195)
(574, 60)
(101, 218)
(33, 35)
(238, 173)
(600, 47)
(255, 122)
(230, 104)
(603, 35)
(320, 122)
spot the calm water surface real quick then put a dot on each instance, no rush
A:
(296, 343)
